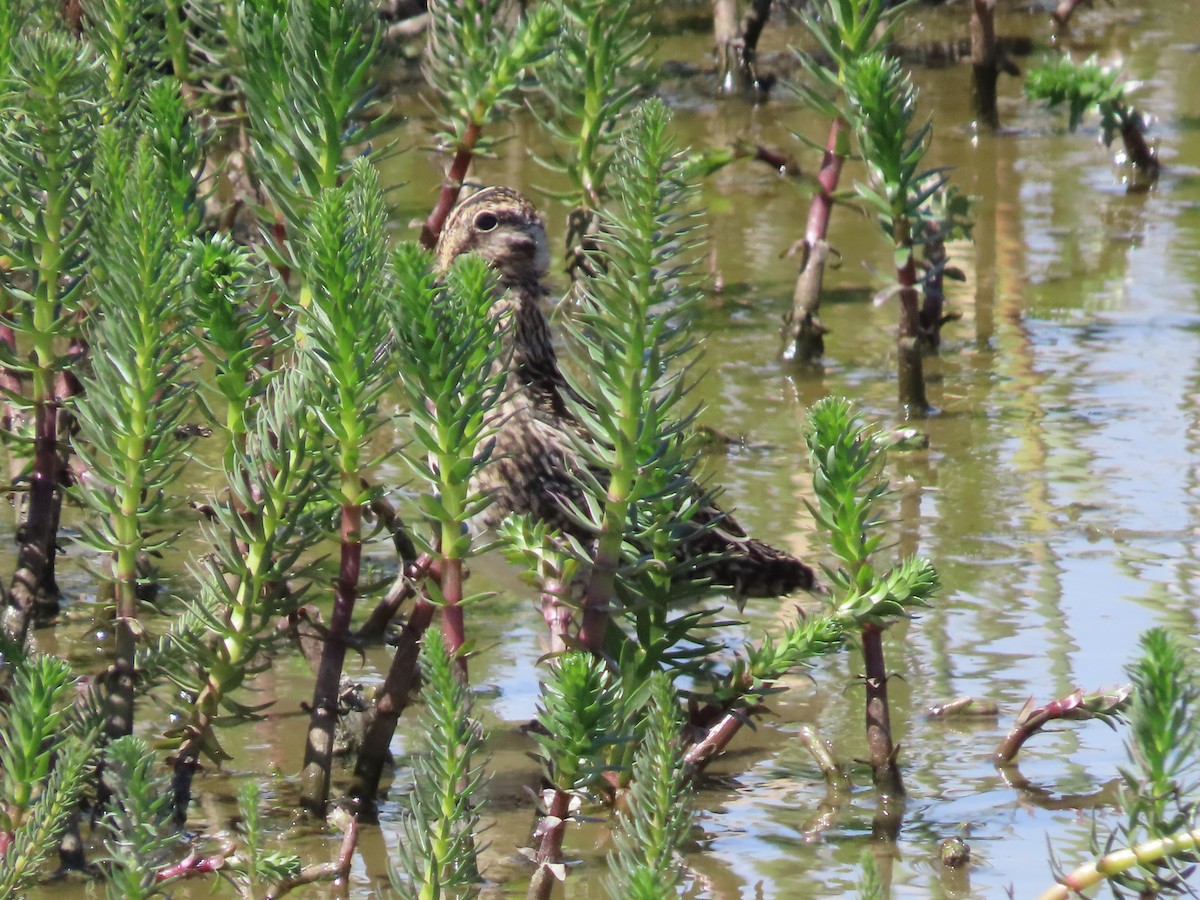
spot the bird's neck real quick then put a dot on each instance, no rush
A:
(533, 361)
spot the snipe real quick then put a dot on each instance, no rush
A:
(532, 459)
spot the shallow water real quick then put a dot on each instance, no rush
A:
(1058, 498)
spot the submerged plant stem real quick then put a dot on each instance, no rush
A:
(879, 728)
(318, 753)
(908, 345)
(391, 702)
(804, 334)
(452, 186)
(550, 849)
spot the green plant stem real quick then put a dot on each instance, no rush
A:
(1094, 873)
(216, 686)
(601, 584)
(177, 45)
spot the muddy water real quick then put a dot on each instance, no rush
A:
(1059, 497)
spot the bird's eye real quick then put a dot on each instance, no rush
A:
(486, 222)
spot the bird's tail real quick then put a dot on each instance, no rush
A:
(748, 566)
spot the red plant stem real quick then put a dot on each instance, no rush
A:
(318, 753)
(33, 582)
(804, 333)
(337, 871)
(453, 623)
(1007, 749)
(704, 751)
(879, 728)
(390, 703)
(193, 864)
(550, 848)
(776, 159)
(821, 208)
(452, 186)
(556, 613)
(596, 601)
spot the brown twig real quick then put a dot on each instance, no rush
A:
(985, 61)
(1136, 148)
(908, 345)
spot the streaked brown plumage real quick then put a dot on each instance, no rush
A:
(532, 459)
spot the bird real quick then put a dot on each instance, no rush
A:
(531, 463)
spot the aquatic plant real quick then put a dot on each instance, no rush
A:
(1090, 86)
(128, 41)
(848, 482)
(441, 823)
(46, 753)
(140, 837)
(344, 256)
(51, 93)
(844, 31)
(475, 58)
(653, 826)
(915, 207)
(147, 854)
(633, 328)
(588, 88)
(448, 351)
(258, 527)
(304, 68)
(1157, 844)
(1107, 706)
(866, 92)
(135, 393)
(580, 714)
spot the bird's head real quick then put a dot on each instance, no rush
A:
(502, 227)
